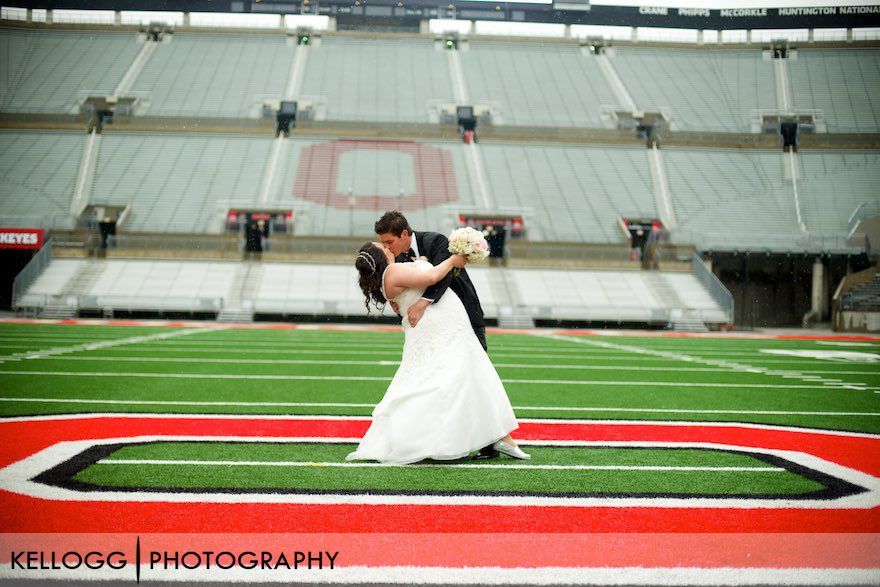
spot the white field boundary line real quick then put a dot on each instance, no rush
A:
(47, 400)
(92, 346)
(396, 363)
(18, 478)
(738, 367)
(408, 575)
(456, 466)
(233, 376)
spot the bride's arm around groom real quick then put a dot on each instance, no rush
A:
(403, 276)
(435, 247)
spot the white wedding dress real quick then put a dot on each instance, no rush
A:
(446, 399)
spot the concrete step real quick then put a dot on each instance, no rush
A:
(516, 321)
(58, 312)
(235, 315)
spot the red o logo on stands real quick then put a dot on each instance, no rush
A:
(433, 173)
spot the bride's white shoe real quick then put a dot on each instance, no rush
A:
(510, 450)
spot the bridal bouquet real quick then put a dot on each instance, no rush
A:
(469, 242)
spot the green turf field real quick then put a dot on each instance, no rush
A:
(53, 368)
(562, 471)
(64, 369)
(50, 368)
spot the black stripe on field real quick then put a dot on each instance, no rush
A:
(62, 476)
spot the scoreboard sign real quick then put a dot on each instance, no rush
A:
(21, 238)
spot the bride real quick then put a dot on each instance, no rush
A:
(446, 399)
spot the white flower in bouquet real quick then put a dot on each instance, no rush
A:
(470, 243)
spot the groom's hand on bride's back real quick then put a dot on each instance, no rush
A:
(416, 311)
(394, 307)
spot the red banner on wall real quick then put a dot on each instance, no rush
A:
(21, 238)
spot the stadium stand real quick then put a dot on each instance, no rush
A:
(50, 285)
(577, 193)
(729, 197)
(391, 81)
(700, 89)
(178, 182)
(377, 142)
(842, 83)
(37, 175)
(537, 85)
(430, 175)
(862, 298)
(833, 184)
(116, 285)
(612, 296)
(215, 75)
(134, 284)
(50, 71)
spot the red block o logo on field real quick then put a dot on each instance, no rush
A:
(433, 172)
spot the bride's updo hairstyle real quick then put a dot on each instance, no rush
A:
(371, 264)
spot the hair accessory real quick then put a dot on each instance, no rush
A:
(369, 258)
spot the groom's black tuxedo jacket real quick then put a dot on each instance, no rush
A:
(435, 247)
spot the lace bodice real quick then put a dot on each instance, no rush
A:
(408, 296)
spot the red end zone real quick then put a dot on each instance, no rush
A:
(26, 437)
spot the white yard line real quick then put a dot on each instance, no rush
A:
(47, 400)
(396, 363)
(92, 346)
(248, 376)
(457, 466)
(628, 358)
(495, 348)
(739, 367)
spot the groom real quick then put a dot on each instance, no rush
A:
(395, 233)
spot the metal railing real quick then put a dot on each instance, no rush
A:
(46, 221)
(713, 285)
(117, 302)
(31, 272)
(620, 314)
(862, 211)
(806, 243)
(175, 242)
(617, 253)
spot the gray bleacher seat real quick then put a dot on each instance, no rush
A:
(731, 196)
(37, 175)
(843, 83)
(316, 289)
(577, 194)
(177, 182)
(162, 285)
(609, 295)
(833, 184)
(534, 85)
(377, 80)
(50, 71)
(309, 289)
(49, 287)
(702, 89)
(215, 75)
